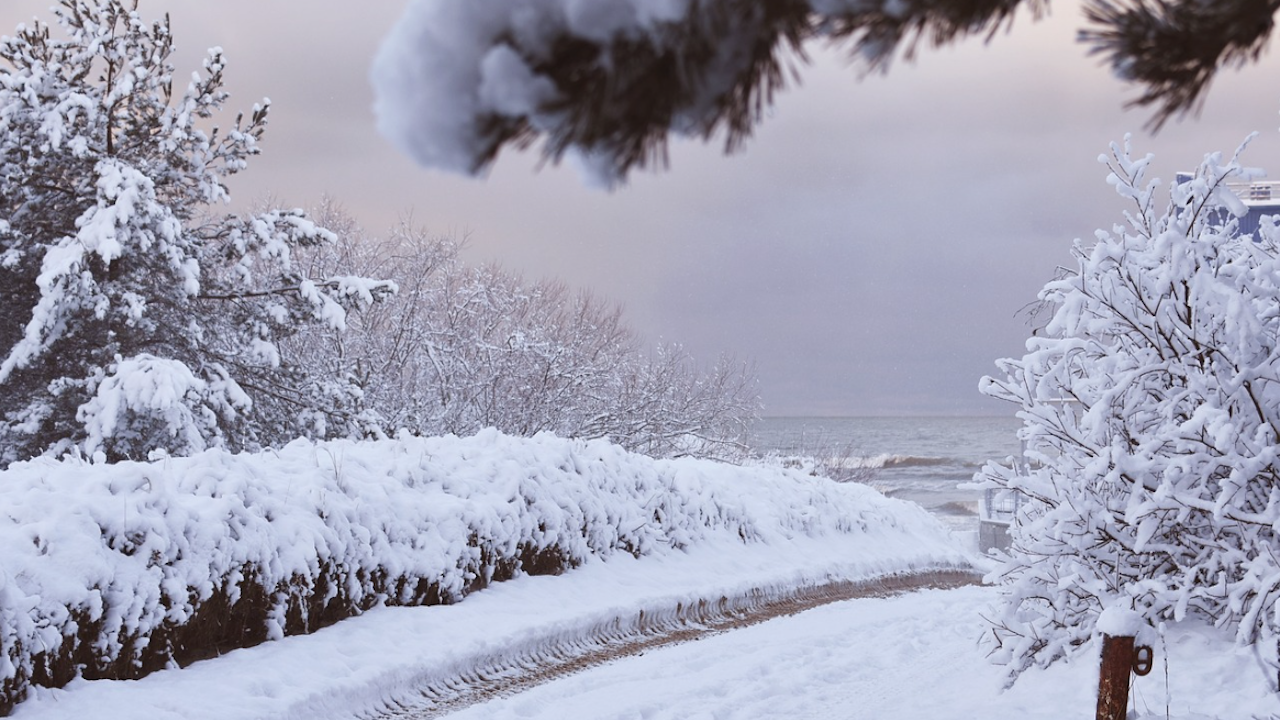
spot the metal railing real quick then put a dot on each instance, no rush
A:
(1256, 191)
(1000, 505)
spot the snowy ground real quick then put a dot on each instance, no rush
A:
(747, 534)
(912, 656)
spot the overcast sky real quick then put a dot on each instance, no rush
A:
(869, 250)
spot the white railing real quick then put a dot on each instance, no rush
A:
(1256, 191)
(1000, 505)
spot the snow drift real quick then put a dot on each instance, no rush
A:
(119, 570)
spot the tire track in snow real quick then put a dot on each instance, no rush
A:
(535, 662)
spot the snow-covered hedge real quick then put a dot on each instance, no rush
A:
(118, 570)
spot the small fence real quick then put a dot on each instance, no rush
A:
(996, 510)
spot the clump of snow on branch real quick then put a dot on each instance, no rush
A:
(1151, 411)
(146, 403)
(449, 70)
(107, 563)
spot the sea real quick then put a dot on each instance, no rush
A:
(921, 459)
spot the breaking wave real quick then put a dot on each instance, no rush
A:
(900, 461)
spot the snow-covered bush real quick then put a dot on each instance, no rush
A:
(1151, 410)
(118, 570)
(133, 322)
(462, 348)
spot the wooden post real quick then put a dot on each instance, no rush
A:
(1113, 678)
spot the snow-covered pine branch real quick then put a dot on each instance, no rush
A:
(607, 83)
(1151, 409)
(134, 323)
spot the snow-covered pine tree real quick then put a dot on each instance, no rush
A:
(134, 320)
(1151, 411)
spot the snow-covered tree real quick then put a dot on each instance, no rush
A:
(609, 81)
(135, 321)
(1151, 411)
(462, 348)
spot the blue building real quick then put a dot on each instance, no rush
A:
(1261, 198)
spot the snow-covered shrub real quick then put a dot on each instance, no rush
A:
(117, 289)
(115, 570)
(465, 347)
(1151, 410)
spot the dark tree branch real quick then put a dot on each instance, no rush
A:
(1173, 49)
(716, 70)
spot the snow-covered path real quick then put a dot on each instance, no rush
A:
(910, 656)
(513, 673)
